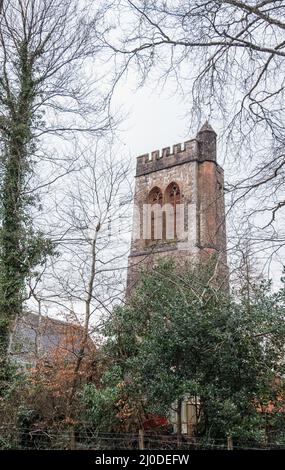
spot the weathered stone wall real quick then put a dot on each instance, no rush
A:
(194, 168)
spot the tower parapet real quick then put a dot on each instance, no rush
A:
(202, 148)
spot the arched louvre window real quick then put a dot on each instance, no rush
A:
(154, 229)
(155, 196)
(172, 198)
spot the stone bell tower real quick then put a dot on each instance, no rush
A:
(179, 205)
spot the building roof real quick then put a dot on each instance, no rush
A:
(38, 336)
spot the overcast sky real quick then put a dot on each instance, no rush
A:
(154, 120)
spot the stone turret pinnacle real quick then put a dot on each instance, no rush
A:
(207, 139)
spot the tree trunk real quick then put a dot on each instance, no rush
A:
(84, 341)
(15, 262)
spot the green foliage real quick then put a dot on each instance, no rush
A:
(11, 379)
(180, 337)
(21, 247)
(101, 406)
(12, 390)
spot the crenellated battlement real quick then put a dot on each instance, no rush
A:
(168, 151)
(202, 148)
(167, 157)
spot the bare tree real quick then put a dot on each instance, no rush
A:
(90, 227)
(45, 89)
